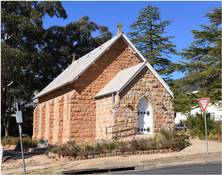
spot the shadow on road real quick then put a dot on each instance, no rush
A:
(18, 154)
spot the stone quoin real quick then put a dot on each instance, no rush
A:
(98, 96)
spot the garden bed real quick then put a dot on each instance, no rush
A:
(168, 141)
(71, 158)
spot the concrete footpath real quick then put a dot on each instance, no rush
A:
(136, 162)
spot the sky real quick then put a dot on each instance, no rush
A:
(187, 15)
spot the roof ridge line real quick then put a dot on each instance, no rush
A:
(117, 37)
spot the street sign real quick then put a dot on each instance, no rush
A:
(19, 116)
(19, 121)
(203, 103)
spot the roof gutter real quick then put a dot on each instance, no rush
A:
(39, 95)
(105, 94)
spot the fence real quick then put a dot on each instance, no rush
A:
(118, 129)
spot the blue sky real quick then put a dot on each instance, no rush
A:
(187, 15)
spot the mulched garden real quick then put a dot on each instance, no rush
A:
(168, 141)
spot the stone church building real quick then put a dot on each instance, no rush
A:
(110, 92)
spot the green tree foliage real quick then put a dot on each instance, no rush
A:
(62, 42)
(33, 56)
(22, 34)
(202, 66)
(149, 40)
(196, 125)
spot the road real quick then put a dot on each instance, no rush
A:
(209, 168)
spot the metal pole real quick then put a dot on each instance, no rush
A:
(206, 131)
(22, 148)
(113, 99)
(20, 133)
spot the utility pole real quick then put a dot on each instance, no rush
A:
(203, 103)
(19, 121)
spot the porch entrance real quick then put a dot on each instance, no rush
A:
(144, 117)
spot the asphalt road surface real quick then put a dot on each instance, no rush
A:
(209, 168)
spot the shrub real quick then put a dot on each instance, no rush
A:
(71, 143)
(26, 141)
(135, 145)
(64, 151)
(111, 146)
(196, 126)
(159, 138)
(145, 144)
(124, 149)
(10, 141)
(214, 136)
(89, 150)
(153, 144)
(124, 146)
(173, 140)
(75, 150)
(82, 153)
(169, 139)
(100, 148)
(169, 133)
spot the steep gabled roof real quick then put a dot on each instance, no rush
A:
(77, 68)
(71, 73)
(124, 77)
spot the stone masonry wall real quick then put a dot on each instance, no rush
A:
(66, 119)
(47, 120)
(35, 123)
(104, 117)
(145, 84)
(42, 121)
(51, 121)
(81, 123)
(60, 120)
(55, 121)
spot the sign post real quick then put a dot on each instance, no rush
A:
(203, 103)
(19, 121)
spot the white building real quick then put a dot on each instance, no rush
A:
(215, 113)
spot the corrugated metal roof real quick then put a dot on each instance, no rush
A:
(122, 79)
(71, 73)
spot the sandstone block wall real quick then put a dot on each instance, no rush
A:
(35, 123)
(104, 117)
(51, 121)
(145, 84)
(42, 121)
(80, 126)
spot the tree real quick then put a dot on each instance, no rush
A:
(202, 66)
(148, 38)
(196, 125)
(22, 34)
(33, 56)
(62, 42)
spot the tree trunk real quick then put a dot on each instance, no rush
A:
(8, 117)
